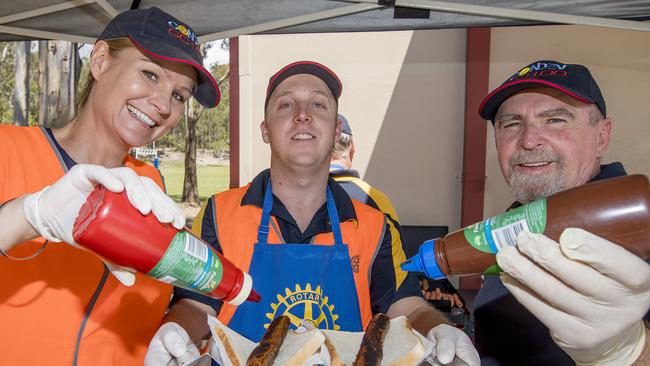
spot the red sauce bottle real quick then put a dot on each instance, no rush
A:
(616, 209)
(112, 228)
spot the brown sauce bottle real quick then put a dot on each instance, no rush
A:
(616, 209)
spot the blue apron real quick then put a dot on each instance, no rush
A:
(304, 281)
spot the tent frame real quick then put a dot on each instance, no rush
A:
(358, 7)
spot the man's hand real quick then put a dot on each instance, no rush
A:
(452, 347)
(439, 295)
(591, 293)
(52, 211)
(171, 346)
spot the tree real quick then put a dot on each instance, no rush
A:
(193, 112)
(59, 65)
(7, 72)
(22, 61)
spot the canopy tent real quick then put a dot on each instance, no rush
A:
(82, 20)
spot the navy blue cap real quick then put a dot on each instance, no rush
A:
(346, 126)
(305, 67)
(160, 35)
(572, 79)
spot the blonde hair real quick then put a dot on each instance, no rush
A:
(114, 45)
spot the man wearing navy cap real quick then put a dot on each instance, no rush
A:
(582, 300)
(313, 253)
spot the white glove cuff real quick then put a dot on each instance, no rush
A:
(32, 215)
(626, 352)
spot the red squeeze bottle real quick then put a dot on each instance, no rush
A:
(616, 209)
(112, 228)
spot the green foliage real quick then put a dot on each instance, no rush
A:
(7, 76)
(212, 128)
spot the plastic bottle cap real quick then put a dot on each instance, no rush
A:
(424, 261)
(246, 288)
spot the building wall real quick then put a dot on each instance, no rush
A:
(619, 61)
(403, 93)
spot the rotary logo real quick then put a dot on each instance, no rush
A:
(308, 304)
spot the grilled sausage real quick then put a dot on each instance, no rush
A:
(371, 349)
(266, 351)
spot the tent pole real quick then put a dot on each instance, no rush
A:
(477, 72)
(107, 7)
(48, 10)
(234, 112)
(45, 35)
(44, 10)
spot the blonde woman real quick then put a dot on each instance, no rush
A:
(59, 305)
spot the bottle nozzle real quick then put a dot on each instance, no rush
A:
(424, 261)
(413, 264)
(254, 296)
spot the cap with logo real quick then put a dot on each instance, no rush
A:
(305, 67)
(346, 126)
(572, 79)
(160, 35)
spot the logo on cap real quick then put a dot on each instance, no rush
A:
(184, 34)
(540, 69)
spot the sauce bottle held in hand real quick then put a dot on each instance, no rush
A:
(616, 209)
(112, 228)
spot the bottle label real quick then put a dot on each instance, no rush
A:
(497, 232)
(189, 263)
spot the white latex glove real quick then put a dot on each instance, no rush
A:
(451, 346)
(171, 345)
(52, 211)
(591, 293)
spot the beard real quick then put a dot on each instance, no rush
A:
(530, 187)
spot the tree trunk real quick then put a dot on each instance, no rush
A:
(21, 86)
(42, 82)
(193, 112)
(190, 184)
(59, 62)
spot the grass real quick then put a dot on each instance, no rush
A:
(212, 178)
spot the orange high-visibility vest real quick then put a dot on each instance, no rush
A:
(236, 228)
(45, 300)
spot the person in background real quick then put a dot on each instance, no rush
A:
(58, 303)
(342, 172)
(358, 189)
(314, 254)
(580, 300)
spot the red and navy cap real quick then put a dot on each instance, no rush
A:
(160, 35)
(305, 67)
(571, 79)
